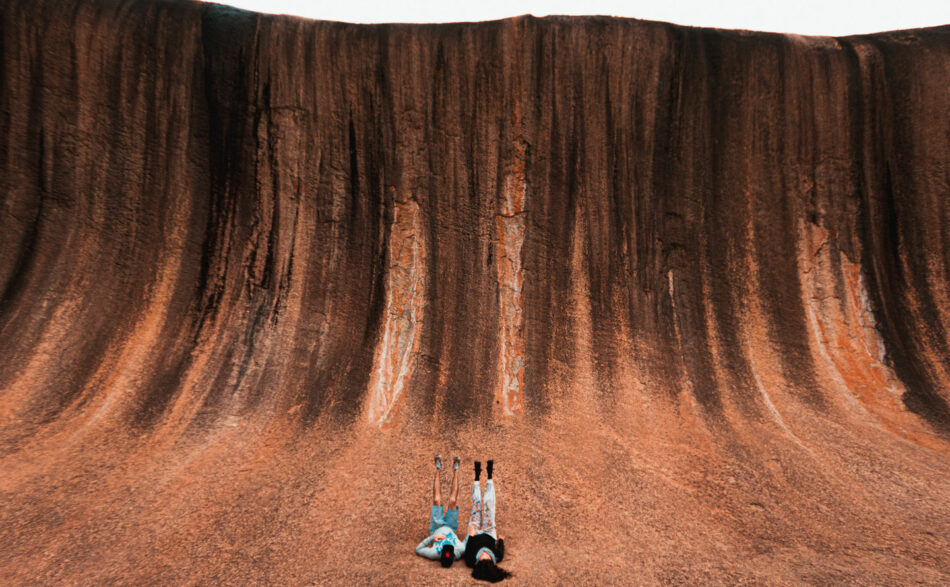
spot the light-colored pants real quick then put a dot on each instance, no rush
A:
(483, 513)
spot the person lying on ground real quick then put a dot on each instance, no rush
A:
(443, 543)
(484, 548)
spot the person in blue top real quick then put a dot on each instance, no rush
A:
(443, 543)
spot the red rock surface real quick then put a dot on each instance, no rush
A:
(690, 288)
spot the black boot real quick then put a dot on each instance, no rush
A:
(478, 469)
(491, 463)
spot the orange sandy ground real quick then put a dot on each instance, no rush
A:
(581, 501)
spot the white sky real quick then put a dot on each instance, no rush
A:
(807, 17)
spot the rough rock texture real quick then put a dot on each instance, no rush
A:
(690, 288)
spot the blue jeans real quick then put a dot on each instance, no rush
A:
(442, 517)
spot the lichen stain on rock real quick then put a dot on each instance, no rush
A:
(510, 224)
(405, 304)
(510, 236)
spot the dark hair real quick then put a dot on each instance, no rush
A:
(489, 571)
(447, 556)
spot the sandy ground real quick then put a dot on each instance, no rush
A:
(578, 503)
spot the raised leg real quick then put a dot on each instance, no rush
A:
(454, 492)
(437, 488)
(475, 521)
(488, 510)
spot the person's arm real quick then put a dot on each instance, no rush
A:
(500, 548)
(427, 551)
(460, 547)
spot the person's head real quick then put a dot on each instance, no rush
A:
(447, 556)
(486, 570)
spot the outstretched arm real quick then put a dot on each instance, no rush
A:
(500, 548)
(427, 551)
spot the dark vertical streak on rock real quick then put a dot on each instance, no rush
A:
(227, 104)
(26, 253)
(782, 290)
(881, 224)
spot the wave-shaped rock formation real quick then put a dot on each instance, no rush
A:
(690, 288)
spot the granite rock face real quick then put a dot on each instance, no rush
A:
(689, 287)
